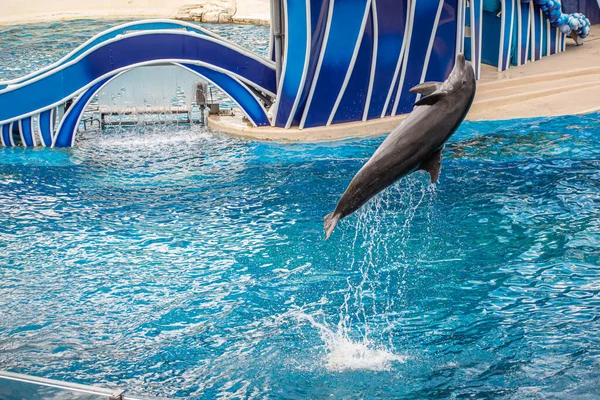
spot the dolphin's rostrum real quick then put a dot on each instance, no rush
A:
(416, 143)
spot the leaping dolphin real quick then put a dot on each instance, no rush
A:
(416, 143)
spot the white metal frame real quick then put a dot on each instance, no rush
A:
(153, 62)
(73, 387)
(122, 26)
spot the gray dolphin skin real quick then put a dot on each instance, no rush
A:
(416, 143)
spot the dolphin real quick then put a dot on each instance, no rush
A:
(416, 143)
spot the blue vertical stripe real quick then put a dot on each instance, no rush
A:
(6, 135)
(295, 59)
(46, 127)
(525, 31)
(319, 10)
(27, 132)
(391, 20)
(424, 19)
(346, 23)
(443, 53)
(508, 18)
(353, 102)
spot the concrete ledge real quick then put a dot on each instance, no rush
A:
(251, 21)
(237, 127)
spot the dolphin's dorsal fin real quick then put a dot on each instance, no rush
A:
(431, 99)
(433, 165)
(426, 88)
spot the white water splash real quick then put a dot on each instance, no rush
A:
(378, 251)
(150, 137)
(382, 231)
(345, 354)
(348, 355)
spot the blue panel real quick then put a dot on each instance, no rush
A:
(525, 22)
(319, 10)
(346, 22)
(6, 135)
(391, 21)
(238, 92)
(62, 84)
(46, 127)
(424, 19)
(589, 8)
(296, 36)
(27, 132)
(65, 136)
(443, 53)
(491, 38)
(352, 106)
(537, 39)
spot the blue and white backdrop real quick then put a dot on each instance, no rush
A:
(342, 61)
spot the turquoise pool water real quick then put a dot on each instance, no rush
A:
(178, 262)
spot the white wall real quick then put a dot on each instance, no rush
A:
(249, 9)
(239, 10)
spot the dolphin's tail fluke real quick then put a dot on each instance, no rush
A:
(331, 221)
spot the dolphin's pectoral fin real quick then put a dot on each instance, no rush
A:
(425, 88)
(433, 165)
(431, 99)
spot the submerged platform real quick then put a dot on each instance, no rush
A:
(563, 84)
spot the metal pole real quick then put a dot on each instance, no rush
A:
(110, 394)
(278, 29)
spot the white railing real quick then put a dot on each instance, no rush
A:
(109, 394)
